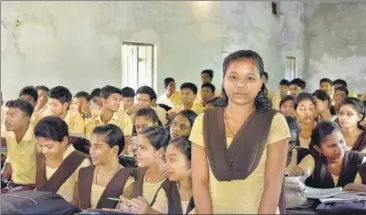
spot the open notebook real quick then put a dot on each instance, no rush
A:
(345, 195)
(317, 193)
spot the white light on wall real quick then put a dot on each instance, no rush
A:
(201, 9)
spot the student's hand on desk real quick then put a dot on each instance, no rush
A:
(172, 114)
(6, 171)
(138, 205)
(297, 171)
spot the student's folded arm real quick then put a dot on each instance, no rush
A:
(355, 187)
(274, 173)
(200, 180)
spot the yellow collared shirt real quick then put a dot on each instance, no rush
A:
(120, 119)
(75, 123)
(174, 100)
(276, 100)
(22, 157)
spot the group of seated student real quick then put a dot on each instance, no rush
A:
(328, 134)
(41, 156)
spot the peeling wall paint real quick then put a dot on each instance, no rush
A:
(335, 40)
(65, 42)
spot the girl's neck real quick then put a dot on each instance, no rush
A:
(234, 111)
(155, 172)
(185, 184)
(351, 132)
(109, 167)
(325, 115)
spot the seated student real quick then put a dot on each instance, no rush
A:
(20, 163)
(324, 106)
(212, 103)
(42, 106)
(151, 171)
(171, 97)
(265, 80)
(30, 94)
(206, 77)
(329, 165)
(342, 83)
(128, 98)
(340, 94)
(175, 195)
(351, 113)
(306, 115)
(60, 100)
(108, 114)
(82, 105)
(59, 163)
(146, 97)
(189, 94)
(182, 124)
(207, 93)
(326, 85)
(96, 98)
(294, 141)
(287, 106)
(276, 100)
(107, 178)
(296, 87)
(145, 117)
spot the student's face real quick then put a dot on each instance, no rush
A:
(178, 165)
(294, 90)
(42, 97)
(79, 103)
(332, 147)
(100, 152)
(206, 94)
(171, 87)
(348, 116)
(283, 90)
(15, 119)
(242, 82)
(288, 108)
(180, 127)
(292, 142)
(142, 122)
(52, 149)
(306, 112)
(144, 100)
(205, 78)
(146, 154)
(339, 97)
(325, 86)
(321, 105)
(98, 101)
(57, 108)
(112, 102)
(335, 86)
(127, 102)
(187, 96)
(29, 99)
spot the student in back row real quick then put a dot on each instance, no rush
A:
(42, 106)
(171, 97)
(189, 95)
(82, 106)
(20, 163)
(109, 114)
(60, 101)
(276, 100)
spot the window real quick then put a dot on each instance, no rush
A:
(290, 68)
(138, 66)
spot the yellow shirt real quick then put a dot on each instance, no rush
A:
(97, 191)
(161, 114)
(36, 116)
(197, 108)
(271, 94)
(199, 98)
(45, 110)
(174, 100)
(68, 187)
(308, 165)
(120, 119)
(22, 157)
(75, 123)
(2, 114)
(241, 196)
(161, 204)
(276, 100)
(150, 189)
